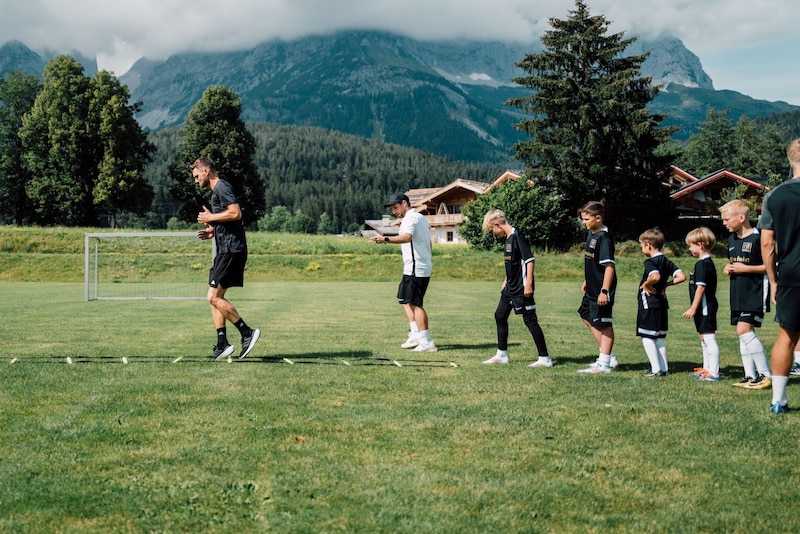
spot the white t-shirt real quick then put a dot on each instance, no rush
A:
(417, 225)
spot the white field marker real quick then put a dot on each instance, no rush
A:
(124, 360)
(396, 363)
(14, 360)
(176, 360)
(69, 360)
(453, 364)
(344, 362)
(287, 360)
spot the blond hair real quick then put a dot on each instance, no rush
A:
(793, 153)
(654, 237)
(491, 217)
(701, 235)
(737, 207)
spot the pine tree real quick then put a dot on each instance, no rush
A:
(591, 136)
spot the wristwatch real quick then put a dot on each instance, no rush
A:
(386, 239)
(604, 291)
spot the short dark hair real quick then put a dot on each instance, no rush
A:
(593, 207)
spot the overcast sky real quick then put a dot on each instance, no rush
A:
(750, 46)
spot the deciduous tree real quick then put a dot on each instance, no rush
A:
(17, 94)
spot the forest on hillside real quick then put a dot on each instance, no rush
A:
(313, 171)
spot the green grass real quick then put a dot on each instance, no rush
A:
(321, 446)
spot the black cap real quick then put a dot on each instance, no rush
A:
(396, 198)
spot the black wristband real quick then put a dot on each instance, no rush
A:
(386, 239)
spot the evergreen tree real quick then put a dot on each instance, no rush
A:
(215, 130)
(748, 148)
(591, 136)
(17, 94)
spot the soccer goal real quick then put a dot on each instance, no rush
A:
(146, 266)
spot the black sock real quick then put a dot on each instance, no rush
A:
(242, 327)
(222, 337)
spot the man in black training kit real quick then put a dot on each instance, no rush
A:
(224, 224)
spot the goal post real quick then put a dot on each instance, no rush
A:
(146, 265)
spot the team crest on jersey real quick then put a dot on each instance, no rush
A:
(508, 247)
(747, 247)
(593, 243)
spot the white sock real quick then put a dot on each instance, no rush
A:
(425, 334)
(651, 350)
(797, 356)
(604, 359)
(501, 354)
(413, 327)
(756, 350)
(661, 345)
(747, 360)
(711, 349)
(779, 389)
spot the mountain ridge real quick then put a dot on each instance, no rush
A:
(446, 97)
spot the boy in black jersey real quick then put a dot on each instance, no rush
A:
(703, 298)
(517, 290)
(749, 292)
(651, 319)
(599, 285)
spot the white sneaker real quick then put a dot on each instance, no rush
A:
(426, 345)
(497, 358)
(542, 362)
(613, 362)
(412, 341)
(596, 368)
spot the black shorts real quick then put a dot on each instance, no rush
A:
(705, 324)
(597, 316)
(750, 317)
(227, 270)
(652, 322)
(412, 290)
(787, 312)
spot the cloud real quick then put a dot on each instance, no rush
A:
(118, 33)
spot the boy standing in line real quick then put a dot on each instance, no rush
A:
(652, 318)
(517, 290)
(599, 285)
(749, 292)
(703, 298)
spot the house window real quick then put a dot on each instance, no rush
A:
(455, 208)
(449, 237)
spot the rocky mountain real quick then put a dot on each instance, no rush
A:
(14, 55)
(445, 97)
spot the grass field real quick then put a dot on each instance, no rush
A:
(359, 435)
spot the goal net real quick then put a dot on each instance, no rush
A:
(146, 265)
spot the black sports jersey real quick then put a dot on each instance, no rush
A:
(228, 236)
(704, 273)
(749, 291)
(516, 254)
(779, 212)
(598, 253)
(666, 269)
